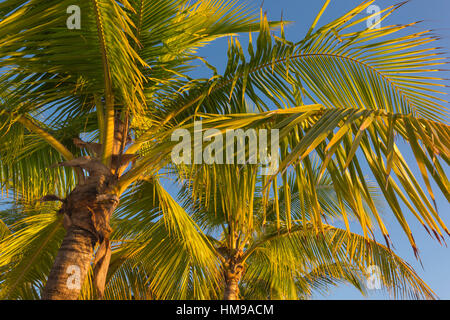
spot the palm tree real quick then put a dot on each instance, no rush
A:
(96, 82)
(270, 261)
(90, 113)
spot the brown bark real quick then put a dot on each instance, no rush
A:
(86, 218)
(233, 273)
(231, 289)
(87, 210)
(71, 265)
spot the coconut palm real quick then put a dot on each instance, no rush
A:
(87, 115)
(265, 260)
(92, 80)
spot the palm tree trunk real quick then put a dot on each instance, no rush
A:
(231, 289)
(233, 274)
(71, 265)
(86, 211)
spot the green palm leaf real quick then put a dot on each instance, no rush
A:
(27, 255)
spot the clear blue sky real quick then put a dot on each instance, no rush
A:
(435, 258)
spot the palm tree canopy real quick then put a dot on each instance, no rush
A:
(291, 263)
(344, 93)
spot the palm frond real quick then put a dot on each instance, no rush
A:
(367, 69)
(332, 253)
(161, 237)
(27, 255)
(307, 129)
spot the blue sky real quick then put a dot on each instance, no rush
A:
(434, 13)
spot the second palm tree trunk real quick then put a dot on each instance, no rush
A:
(233, 273)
